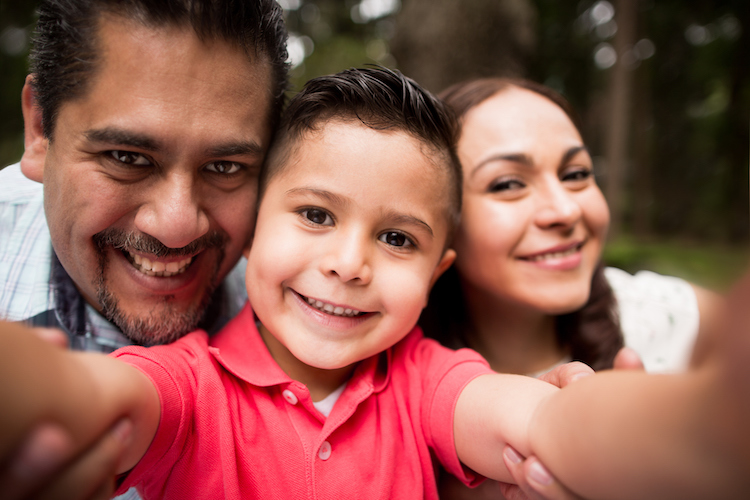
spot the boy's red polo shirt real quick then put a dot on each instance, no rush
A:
(234, 425)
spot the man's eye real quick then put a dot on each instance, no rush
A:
(395, 239)
(317, 216)
(130, 158)
(224, 167)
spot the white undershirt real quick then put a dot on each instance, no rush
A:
(325, 405)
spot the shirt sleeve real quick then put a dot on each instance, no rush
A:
(173, 369)
(447, 375)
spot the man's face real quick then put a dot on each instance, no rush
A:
(150, 180)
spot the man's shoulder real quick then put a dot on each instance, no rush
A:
(17, 188)
(25, 248)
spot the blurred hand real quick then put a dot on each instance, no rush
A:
(44, 467)
(628, 359)
(54, 336)
(534, 480)
(563, 375)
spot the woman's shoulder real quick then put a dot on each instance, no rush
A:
(659, 317)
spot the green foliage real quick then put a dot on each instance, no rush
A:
(713, 266)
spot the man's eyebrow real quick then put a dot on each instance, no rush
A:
(239, 148)
(122, 137)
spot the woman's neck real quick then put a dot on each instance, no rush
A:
(513, 338)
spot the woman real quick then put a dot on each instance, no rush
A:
(527, 289)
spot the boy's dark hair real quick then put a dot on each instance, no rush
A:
(593, 332)
(381, 99)
(65, 52)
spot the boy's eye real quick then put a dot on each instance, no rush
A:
(317, 216)
(130, 158)
(396, 239)
(224, 167)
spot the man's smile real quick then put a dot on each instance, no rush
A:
(157, 268)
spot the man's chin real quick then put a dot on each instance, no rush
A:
(160, 325)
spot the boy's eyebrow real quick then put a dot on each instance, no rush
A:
(400, 218)
(396, 217)
(322, 193)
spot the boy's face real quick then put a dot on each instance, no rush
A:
(349, 239)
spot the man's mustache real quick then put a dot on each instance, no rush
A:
(140, 242)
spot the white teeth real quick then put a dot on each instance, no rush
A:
(333, 310)
(156, 268)
(553, 255)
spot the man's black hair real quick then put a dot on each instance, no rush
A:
(65, 51)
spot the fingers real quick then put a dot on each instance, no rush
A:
(92, 475)
(43, 452)
(45, 467)
(565, 374)
(54, 336)
(533, 479)
(628, 359)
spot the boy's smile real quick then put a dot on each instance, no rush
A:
(349, 239)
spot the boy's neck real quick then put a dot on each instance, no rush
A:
(512, 338)
(320, 382)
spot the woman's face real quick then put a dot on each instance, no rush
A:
(534, 220)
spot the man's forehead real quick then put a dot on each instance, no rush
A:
(154, 85)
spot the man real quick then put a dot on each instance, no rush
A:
(147, 123)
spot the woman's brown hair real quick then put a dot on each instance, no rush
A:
(592, 333)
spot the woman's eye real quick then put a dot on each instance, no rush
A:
(317, 216)
(506, 185)
(130, 158)
(577, 175)
(224, 167)
(396, 239)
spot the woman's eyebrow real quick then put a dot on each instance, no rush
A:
(522, 158)
(570, 153)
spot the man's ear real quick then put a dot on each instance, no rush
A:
(35, 144)
(445, 262)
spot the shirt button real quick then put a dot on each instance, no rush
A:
(290, 397)
(325, 451)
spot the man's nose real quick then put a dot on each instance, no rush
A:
(173, 212)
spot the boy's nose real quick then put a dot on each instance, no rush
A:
(349, 259)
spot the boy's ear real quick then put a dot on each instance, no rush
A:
(445, 262)
(35, 144)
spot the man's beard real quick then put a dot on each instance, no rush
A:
(164, 324)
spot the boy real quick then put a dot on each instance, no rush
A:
(326, 390)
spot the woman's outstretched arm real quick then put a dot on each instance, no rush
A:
(625, 434)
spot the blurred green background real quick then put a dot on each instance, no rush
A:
(662, 88)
